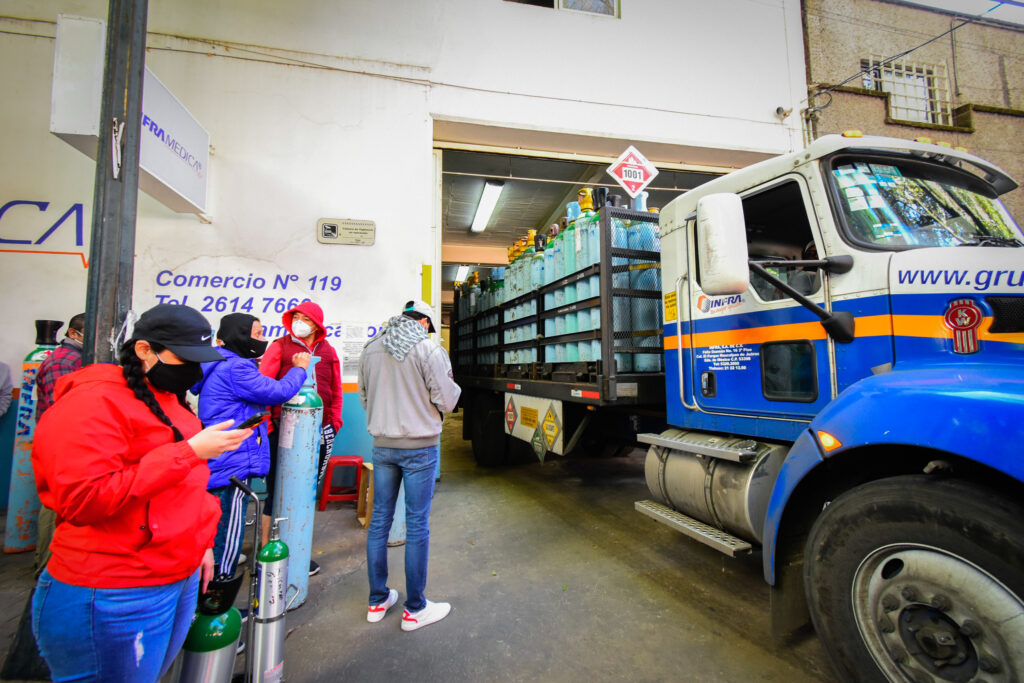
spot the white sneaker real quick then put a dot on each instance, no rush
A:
(434, 611)
(376, 612)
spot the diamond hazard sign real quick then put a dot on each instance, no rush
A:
(633, 171)
(551, 427)
(538, 443)
(510, 415)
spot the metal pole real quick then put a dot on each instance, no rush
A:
(112, 248)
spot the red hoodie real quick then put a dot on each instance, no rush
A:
(277, 361)
(132, 507)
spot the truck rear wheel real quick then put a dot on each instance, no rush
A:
(487, 431)
(915, 578)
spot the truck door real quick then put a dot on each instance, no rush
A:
(760, 353)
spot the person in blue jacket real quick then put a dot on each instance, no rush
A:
(236, 390)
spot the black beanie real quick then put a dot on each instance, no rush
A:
(236, 333)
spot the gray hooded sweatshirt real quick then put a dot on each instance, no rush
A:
(406, 386)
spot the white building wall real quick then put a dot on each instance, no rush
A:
(324, 108)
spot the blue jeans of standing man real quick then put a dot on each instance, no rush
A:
(109, 635)
(392, 467)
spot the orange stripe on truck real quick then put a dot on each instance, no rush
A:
(751, 335)
(867, 326)
(935, 326)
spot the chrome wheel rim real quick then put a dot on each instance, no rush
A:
(927, 614)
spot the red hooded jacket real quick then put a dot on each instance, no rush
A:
(131, 504)
(277, 361)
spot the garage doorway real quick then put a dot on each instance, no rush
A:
(535, 188)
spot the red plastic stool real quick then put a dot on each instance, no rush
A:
(335, 493)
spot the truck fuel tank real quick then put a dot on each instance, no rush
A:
(722, 481)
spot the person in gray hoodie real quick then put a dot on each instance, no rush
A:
(406, 386)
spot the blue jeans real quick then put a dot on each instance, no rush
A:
(391, 467)
(227, 544)
(108, 635)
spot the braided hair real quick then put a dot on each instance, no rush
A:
(135, 378)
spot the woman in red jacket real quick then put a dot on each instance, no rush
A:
(121, 460)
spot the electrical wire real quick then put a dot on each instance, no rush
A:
(868, 24)
(811, 110)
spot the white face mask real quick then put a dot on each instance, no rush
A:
(301, 329)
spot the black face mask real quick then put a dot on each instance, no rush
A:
(235, 334)
(176, 379)
(257, 347)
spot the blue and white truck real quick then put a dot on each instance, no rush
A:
(844, 393)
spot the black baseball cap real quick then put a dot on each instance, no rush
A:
(181, 329)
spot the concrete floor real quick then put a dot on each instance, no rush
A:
(552, 576)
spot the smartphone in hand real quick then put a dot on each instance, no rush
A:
(253, 421)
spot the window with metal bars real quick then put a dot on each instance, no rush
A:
(918, 92)
(608, 8)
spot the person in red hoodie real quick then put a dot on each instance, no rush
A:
(121, 460)
(306, 334)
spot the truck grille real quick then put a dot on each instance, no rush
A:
(1008, 314)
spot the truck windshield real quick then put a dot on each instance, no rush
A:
(902, 203)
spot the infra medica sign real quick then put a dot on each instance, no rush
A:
(175, 149)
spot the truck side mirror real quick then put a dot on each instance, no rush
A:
(722, 244)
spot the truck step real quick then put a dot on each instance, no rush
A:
(723, 448)
(721, 541)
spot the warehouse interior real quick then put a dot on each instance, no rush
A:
(534, 192)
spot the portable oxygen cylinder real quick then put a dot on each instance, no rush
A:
(297, 453)
(268, 586)
(21, 531)
(268, 617)
(208, 655)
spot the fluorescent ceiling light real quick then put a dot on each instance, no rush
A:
(488, 200)
(462, 274)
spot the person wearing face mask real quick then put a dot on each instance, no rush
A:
(122, 461)
(306, 332)
(63, 360)
(236, 390)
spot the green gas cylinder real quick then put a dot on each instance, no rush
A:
(269, 628)
(208, 654)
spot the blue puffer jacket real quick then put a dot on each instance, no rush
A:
(235, 390)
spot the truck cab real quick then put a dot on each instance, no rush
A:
(844, 376)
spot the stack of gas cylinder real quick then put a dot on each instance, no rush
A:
(570, 246)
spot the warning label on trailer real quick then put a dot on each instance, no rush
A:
(551, 427)
(539, 447)
(510, 414)
(535, 420)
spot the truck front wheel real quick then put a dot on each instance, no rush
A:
(916, 578)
